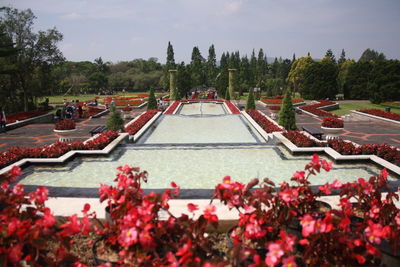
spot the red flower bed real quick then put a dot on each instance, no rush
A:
(342, 147)
(315, 109)
(55, 150)
(143, 95)
(171, 108)
(381, 113)
(274, 107)
(66, 124)
(139, 123)
(280, 100)
(202, 99)
(24, 115)
(232, 107)
(92, 111)
(127, 108)
(331, 122)
(266, 124)
(299, 139)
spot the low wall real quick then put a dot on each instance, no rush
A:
(373, 117)
(46, 118)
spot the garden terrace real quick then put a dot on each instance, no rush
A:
(316, 109)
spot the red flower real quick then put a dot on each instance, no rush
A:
(331, 122)
(274, 254)
(192, 207)
(209, 214)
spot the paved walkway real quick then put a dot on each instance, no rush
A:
(357, 128)
(42, 134)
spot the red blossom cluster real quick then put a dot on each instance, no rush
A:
(134, 127)
(31, 235)
(381, 113)
(315, 109)
(140, 236)
(202, 99)
(232, 107)
(331, 122)
(288, 227)
(300, 139)
(55, 150)
(280, 100)
(171, 108)
(266, 124)
(24, 115)
(66, 124)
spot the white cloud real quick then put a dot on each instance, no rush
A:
(71, 16)
(230, 7)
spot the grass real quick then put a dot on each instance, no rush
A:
(346, 107)
(85, 97)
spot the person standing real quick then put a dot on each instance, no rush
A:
(2, 120)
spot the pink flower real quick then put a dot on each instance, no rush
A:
(289, 194)
(299, 176)
(289, 262)
(327, 166)
(192, 207)
(316, 162)
(128, 237)
(18, 189)
(337, 184)
(15, 171)
(398, 218)
(384, 173)
(274, 254)
(249, 209)
(253, 230)
(375, 232)
(209, 214)
(40, 196)
(326, 189)
(308, 225)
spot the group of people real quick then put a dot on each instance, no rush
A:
(3, 120)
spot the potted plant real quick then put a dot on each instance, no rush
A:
(64, 128)
(332, 127)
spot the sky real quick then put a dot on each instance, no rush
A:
(122, 30)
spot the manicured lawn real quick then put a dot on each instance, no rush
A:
(60, 98)
(346, 107)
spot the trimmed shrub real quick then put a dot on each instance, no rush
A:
(115, 121)
(250, 100)
(152, 102)
(287, 115)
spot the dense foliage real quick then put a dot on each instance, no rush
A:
(331, 122)
(152, 102)
(66, 124)
(250, 104)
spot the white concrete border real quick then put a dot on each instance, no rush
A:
(145, 127)
(375, 117)
(18, 124)
(69, 154)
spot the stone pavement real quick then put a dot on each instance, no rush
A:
(357, 128)
(42, 134)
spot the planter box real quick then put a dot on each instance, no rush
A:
(46, 118)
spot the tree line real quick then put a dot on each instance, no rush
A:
(32, 66)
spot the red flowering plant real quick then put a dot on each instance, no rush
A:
(331, 122)
(142, 237)
(381, 113)
(274, 107)
(266, 124)
(291, 228)
(316, 108)
(232, 107)
(66, 124)
(30, 234)
(300, 139)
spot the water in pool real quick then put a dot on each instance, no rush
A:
(195, 148)
(191, 167)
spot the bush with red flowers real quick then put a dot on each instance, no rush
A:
(66, 124)
(24, 115)
(266, 124)
(232, 107)
(55, 150)
(381, 113)
(300, 139)
(316, 109)
(277, 225)
(331, 122)
(140, 122)
(31, 235)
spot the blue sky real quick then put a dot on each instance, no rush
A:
(127, 29)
